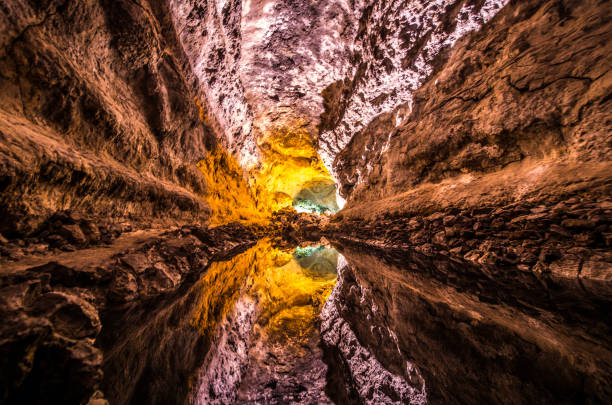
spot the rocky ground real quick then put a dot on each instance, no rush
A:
(64, 231)
(54, 313)
(570, 239)
(289, 225)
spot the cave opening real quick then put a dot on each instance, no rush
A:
(317, 197)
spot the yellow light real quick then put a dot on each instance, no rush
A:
(289, 297)
(289, 162)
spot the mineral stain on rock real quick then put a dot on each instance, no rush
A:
(314, 201)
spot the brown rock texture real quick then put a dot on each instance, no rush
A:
(98, 114)
(472, 140)
(53, 313)
(508, 142)
(509, 93)
(394, 47)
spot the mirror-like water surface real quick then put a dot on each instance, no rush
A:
(267, 345)
(309, 325)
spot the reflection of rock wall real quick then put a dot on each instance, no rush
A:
(122, 309)
(476, 334)
(262, 320)
(355, 373)
(317, 262)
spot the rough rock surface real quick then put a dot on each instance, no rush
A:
(53, 313)
(98, 114)
(333, 64)
(210, 34)
(292, 226)
(505, 157)
(507, 94)
(570, 239)
(396, 46)
(472, 139)
(62, 231)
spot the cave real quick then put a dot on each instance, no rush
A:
(305, 202)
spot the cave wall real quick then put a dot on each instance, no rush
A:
(116, 117)
(210, 33)
(396, 46)
(99, 113)
(533, 85)
(505, 155)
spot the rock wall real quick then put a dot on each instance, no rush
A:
(115, 117)
(211, 36)
(98, 114)
(396, 46)
(533, 85)
(505, 156)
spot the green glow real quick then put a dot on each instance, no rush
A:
(302, 205)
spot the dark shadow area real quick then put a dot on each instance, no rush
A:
(477, 334)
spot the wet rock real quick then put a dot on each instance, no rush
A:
(39, 248)
(72, 276)
(449, 220)
(137, 262)
(488, 258)
(53, 313)
(34, 345)
(97, 399)
(414, 223)
(567, 267)
(12, 252)
(575, 224)
(596, 270)
(540, 268)
(91, 231)
(67, 247)
(70, 315)
(440, 238)
(124, 286)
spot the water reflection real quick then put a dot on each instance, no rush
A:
(279, 324)
(267, 346)
(475, 334)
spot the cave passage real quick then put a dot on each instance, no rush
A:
(317, 196)
(306, 202)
